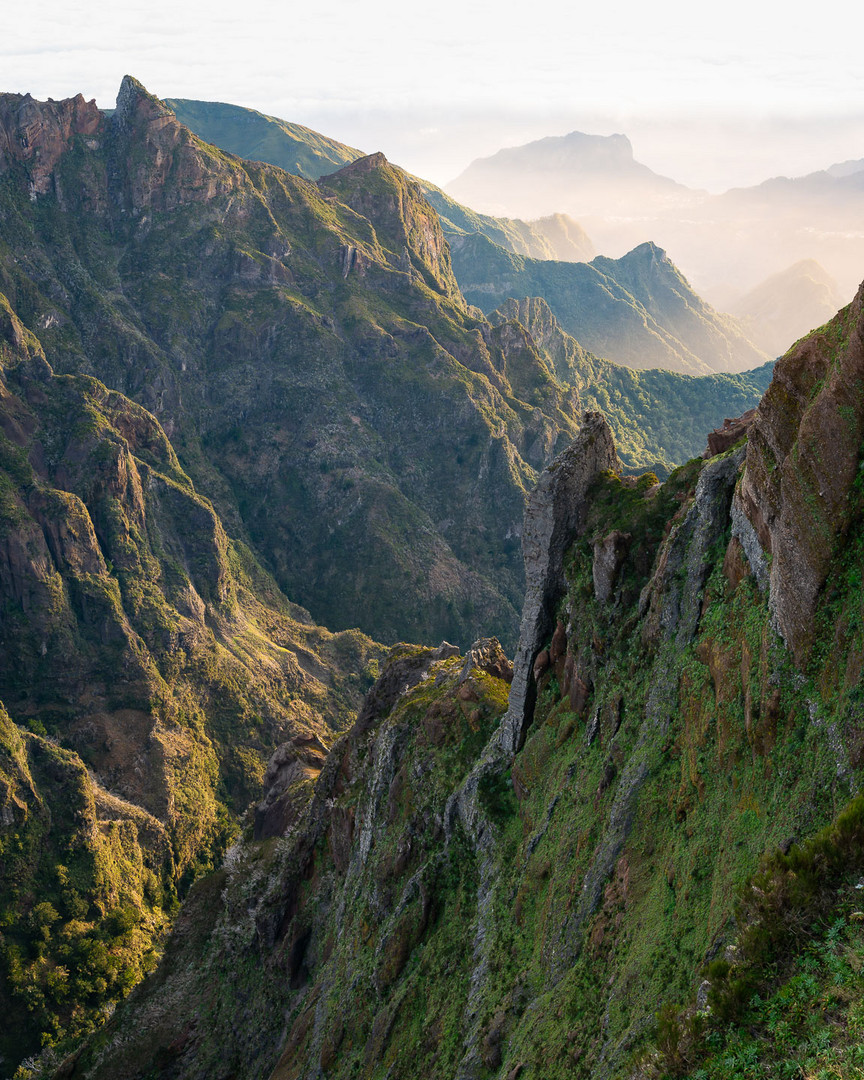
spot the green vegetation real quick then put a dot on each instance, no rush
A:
(552, 916)
(149, 668)
(791, 1000)
(637, 310)
(309, 350)
(85, 902)
(659, 418)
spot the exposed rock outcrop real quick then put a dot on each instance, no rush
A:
(553, 517)
(38, 133)
(803, 456)
(487, 655)
(308, 347)
(733, 430)
(609, 555)
(408, 225)
(672, 599)
(149, 668)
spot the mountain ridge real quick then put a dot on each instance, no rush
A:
(296, 149)
(284, 339)
(679, 707)
(662, 322)
(734, 239)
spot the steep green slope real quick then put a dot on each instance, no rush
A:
(637, 310)
(250, 134)
(306, 347)
(149, 669)
(787, 999)
(659, 418)
(258, 137)
(474, 891)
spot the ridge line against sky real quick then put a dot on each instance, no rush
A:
(711, 97)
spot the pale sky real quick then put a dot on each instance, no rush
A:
(713, 100)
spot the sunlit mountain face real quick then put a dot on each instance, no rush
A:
(431, 618)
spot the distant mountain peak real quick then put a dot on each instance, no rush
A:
(846, 168)
(647, 251)
(577, 172)
(135, 100)
(362, 165)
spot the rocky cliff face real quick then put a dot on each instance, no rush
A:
(305, 347)
(803, 462)
(554, 517)
(149, 668)
(454, 901)
(37, 134)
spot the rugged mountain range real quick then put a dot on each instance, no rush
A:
(637, 310)
(489, 887)
(556, 237)
(306, 348)
(149, 668)
(318, 373)
(318, 408)
(734, 240)
(299, 150)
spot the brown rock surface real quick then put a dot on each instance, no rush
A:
(802, 458)
(487, 655)
(553, 518)
(38, 133)
(724, 438)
